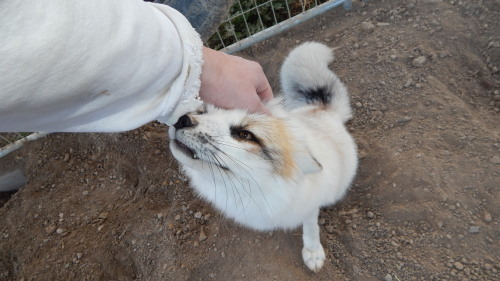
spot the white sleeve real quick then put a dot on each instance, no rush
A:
(94, 66)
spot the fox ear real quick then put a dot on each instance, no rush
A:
(307, 163)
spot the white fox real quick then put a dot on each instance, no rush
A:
(276, 171)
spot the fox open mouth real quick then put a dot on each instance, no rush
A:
(192, 153)
(184, 148)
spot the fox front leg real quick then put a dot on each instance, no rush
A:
(312, 253)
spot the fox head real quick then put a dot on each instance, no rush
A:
(220, 142)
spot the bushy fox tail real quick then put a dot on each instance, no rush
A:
(306, 79)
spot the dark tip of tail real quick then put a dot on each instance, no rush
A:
(321, 95)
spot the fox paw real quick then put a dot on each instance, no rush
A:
(313, 258)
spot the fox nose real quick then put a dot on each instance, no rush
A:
(183, 122)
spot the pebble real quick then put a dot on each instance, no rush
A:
(50, 228)
(419, 62)
(404, 120)
(59, 231)
(443, 55)
(409, 83)
(458, 265)
(487, 217)
(474, 229)
(388, 277)
(202, 236)
(367, 26)
(85, 193)
(198, 215)
(370, 215)
(495, 160)
(330, 229)
(103, 215)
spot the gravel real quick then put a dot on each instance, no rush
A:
(419, 62)
(474, 229)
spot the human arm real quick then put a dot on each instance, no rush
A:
(93, 66)
(106, 66)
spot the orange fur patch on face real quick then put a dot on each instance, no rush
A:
(276, 142)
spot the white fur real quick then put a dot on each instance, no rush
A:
(263, 194)
(308, 65)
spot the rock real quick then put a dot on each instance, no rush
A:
(458, 265)
(198, 215)
(103, 216)
(330, 229)
(474, 229)
(487, 217)
(202, 236)
(409, 83)
(495, 160)
(388, 277)
(419, 62)
(404, 120)
(443, 55)
(49, 229)
(440, 224)
(367, 26)
(370, 215)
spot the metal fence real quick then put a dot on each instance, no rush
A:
(248, 22)
(252, 21)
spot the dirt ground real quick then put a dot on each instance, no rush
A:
(424, 81)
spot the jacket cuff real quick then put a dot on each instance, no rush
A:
(183, 94)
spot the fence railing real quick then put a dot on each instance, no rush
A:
(248, 22)
(252, 21)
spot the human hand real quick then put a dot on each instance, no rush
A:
(232, 82)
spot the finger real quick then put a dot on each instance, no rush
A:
(264, 91)
(261, 108)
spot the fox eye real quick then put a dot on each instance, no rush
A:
(246, 135)
(241, 134)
